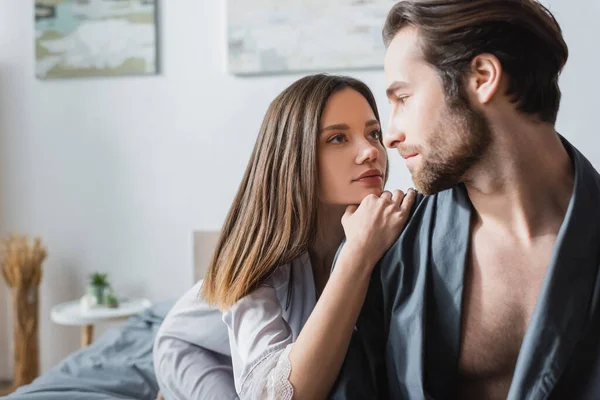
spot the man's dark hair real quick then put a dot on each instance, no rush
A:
(522, 34)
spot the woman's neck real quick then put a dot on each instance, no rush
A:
(330, 234)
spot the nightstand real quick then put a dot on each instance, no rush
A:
(71, 313)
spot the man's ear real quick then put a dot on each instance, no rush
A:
(485, 77)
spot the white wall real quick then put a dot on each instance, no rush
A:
(114, 174)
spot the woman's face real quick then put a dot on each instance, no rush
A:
(351, 158)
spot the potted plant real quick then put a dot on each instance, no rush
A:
(97, 287)
(110, 298)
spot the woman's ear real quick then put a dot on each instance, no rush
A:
(485, 77)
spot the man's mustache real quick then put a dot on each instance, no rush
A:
(408, 151)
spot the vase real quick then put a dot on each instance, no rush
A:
(97, 293)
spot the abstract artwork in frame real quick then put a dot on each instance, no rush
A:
(275, 36)
(82, 38)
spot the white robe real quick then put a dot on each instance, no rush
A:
(202, 353)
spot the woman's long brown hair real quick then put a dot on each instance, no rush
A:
(273, 218)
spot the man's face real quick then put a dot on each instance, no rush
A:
(441, 138)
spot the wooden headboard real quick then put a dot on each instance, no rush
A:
(204, 245)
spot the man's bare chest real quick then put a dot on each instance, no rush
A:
(501, 288)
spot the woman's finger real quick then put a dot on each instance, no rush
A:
(397, 197)
(408, 201)
(386, 195)
(350, 210)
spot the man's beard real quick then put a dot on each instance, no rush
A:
(459, 141)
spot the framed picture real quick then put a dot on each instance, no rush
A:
(82, 38)
(275, 36)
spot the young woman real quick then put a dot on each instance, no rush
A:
(271, 301)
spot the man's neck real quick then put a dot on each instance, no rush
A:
(524, 184)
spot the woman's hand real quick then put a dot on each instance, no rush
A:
(373, 226)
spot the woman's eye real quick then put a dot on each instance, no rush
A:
(402, 99)
(376, 134)
(336, 139)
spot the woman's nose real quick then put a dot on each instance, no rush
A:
(367, 152)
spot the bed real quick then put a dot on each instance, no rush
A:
(118, 365)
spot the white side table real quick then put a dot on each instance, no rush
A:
(71, 313)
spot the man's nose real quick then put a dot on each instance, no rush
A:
(394, 135)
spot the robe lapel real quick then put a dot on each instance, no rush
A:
(562, 308)
(450, 246)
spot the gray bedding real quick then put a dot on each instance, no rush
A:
(118, 365)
